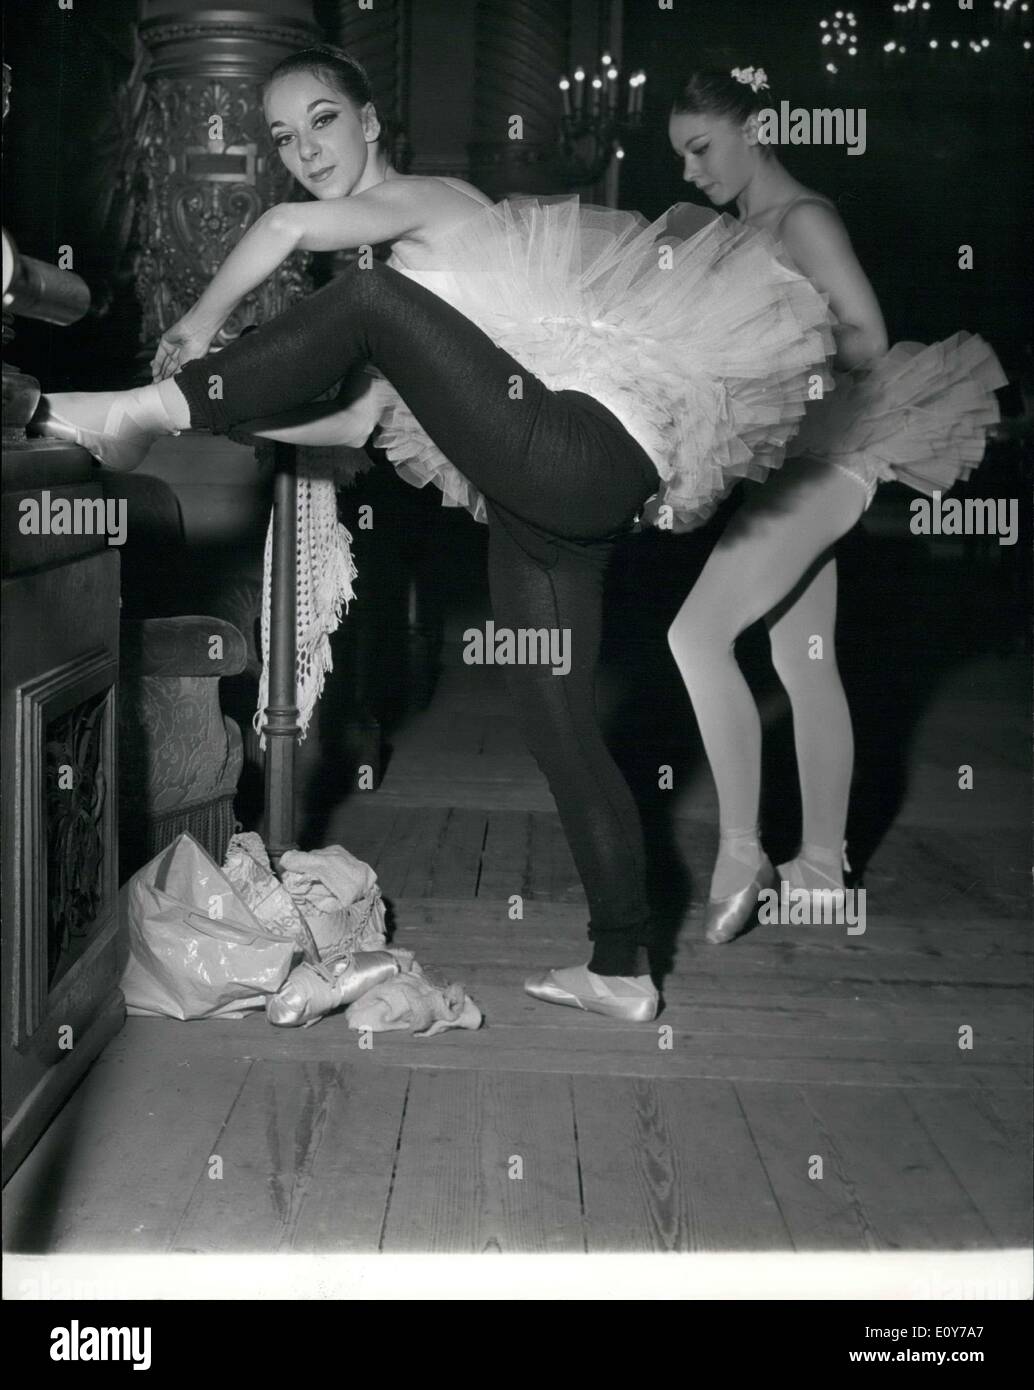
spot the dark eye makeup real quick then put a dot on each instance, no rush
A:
(318, 121)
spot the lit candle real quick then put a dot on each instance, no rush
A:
(612, 89)
(597, 88)
(579, 89)
(639, 91)
(613, 182)
(565, 92)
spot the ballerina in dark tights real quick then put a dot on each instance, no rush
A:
(568, 393)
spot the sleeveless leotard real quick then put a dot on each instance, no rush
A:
(918, 415)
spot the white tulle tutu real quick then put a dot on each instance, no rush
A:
(918, 415)
(705, 348)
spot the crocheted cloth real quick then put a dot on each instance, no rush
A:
(324, 572)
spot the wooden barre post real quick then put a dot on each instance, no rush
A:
(281, 726)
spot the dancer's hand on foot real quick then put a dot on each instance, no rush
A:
(184, 342)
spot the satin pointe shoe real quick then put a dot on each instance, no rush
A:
(632, 999)
(122, 444)
(726, 918)
(804, 872)
(310, 991)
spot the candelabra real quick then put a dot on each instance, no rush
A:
(592, 123)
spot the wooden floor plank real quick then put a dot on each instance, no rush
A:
(906, 1197)
(453, 870)
(364, 827)
(572, 1041)
(1014, 1115)
(270, 1150)
(957, 875)
(658, 1161)
(487, 1164)
(994, 1171)
(350, 1178)
(821, 1207)
(974, 942)
(405, 862)
(506, 857)
(553, 873)
(117, 1168)
(761, 1016)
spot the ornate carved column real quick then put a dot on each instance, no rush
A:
(521, 49)
(207, 168)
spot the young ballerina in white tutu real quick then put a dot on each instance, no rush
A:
(916, 414)
(557, 367)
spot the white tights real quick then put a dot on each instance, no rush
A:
(772, 563)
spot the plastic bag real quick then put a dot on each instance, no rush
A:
(195, 949)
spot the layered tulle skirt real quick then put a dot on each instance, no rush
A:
(918, 415)
(706, 347)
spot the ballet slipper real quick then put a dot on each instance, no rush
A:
(122, 444)
(310, 992)
(631, 999)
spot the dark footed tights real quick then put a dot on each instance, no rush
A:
(562, 479)
(560, 723)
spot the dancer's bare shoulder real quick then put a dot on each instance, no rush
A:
(814, 233)
(444, 203)
(798, 205)
(439, 194)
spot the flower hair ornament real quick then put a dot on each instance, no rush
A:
(757, 77)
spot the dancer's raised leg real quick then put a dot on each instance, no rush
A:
(555, 459)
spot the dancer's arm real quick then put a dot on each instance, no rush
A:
(821, 249)
(390, 210)
(384, 213)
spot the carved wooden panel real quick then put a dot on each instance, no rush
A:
(66, 794)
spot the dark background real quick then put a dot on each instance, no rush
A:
(947, 160)
(948, 157)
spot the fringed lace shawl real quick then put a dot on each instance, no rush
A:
(324, 574)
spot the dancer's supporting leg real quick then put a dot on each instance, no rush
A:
(771, 543)
(555, 462)
(557, 587)
(802, 631)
